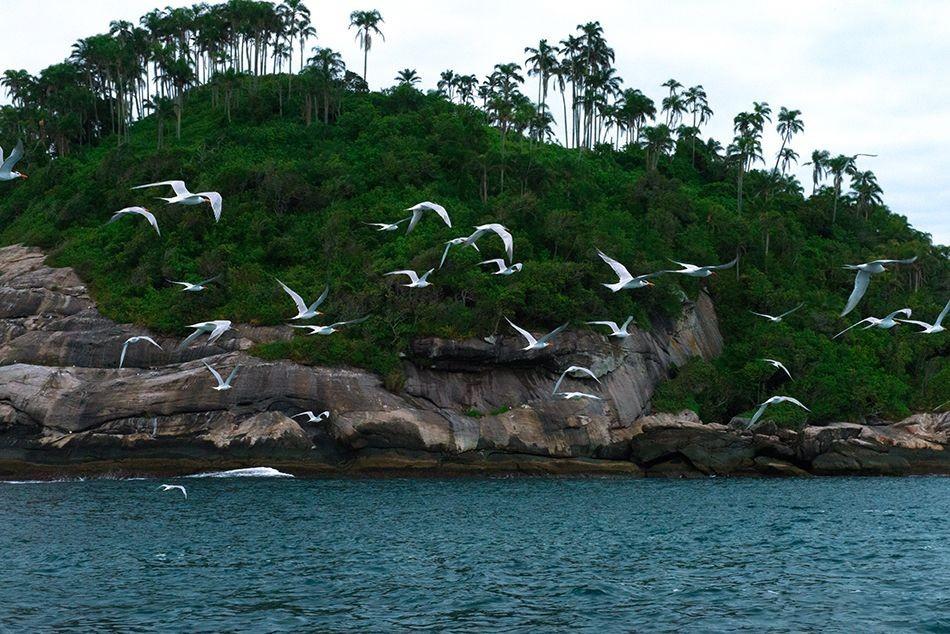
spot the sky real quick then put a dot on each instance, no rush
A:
(868, 77)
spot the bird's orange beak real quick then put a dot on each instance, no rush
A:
(23, 176)
(649, 283)
(713, 272)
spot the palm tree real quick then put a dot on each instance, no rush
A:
(789, 124)
(298, 19)
(697, 104)
(408, 77)
(673, 85)
(838, 167)
(447, 83)
(819, 163)
(367, 24)
(466, 88)
(867, 191)
(787, 156)
(636, 109)
(745, 150)
(657, 141)
(324, 72)
(542, 62)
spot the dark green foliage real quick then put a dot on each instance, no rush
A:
(295, 198)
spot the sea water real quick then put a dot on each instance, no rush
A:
(501, 554)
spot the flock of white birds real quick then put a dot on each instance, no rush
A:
(626, 281)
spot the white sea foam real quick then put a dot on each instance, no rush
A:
(253, 472)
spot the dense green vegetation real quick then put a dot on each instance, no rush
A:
(304, 160)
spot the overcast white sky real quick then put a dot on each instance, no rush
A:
(868, 76)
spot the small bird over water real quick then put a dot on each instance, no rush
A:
(174, 487)
(773, 401)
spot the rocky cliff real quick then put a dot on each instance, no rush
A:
(466, 405)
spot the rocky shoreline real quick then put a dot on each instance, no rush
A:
(466, 407)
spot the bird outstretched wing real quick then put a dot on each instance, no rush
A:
(15, 156)
(618, 268)
(524, 333)
(787, 313)
(217, 377)
(321, 299)
(551, 334)
(177, 186)
(294, 295)
(852, 326)
(861, 281)
(727, 265)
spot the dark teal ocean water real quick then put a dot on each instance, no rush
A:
(506, 554)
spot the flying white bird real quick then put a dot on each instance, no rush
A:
(418, 210)
(702, 271)
(620, 332)
(575, 395)
(928, 329)
(778, 365)
(626, 281)
(414, 280)
(573, 368)
(131, 340)
(184, 197)
(304, 311)
(196, 287)
(222, 384)
(215, 328)
(141, 211)
(773, 401)
(863, 278)
(503, 269)
(6, 166)
(332, 328)
(499, 230)
(311, 418)
(776, 320)
(873, 322)
(174, 487)
(537, 344)
(452, 243)
(387, 226)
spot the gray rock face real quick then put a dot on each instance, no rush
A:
(466, 405)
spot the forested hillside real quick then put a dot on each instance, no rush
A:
(304, 158)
